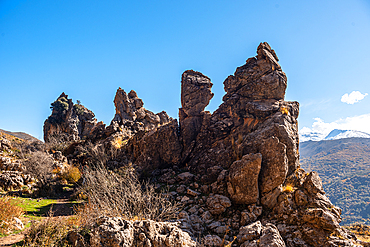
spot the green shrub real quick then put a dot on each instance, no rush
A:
(79, 109)
(60, 105)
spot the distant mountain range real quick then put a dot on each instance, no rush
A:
(21, 135)
(333, 135)
(344, 167)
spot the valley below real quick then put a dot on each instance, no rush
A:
(344, 167)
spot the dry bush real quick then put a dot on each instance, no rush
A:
(124, 196)
(100, 153)
(49, 232)
(39, 165)
(7, 213)
(72, 174)
(58, 141)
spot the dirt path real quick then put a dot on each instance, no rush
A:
(61, 208)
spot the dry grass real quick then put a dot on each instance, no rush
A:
(284, 110)
(288, 188)
(124, 196)
(49, 232)
(72, 174)
(8, 210)
(99, 153)
(58, 141)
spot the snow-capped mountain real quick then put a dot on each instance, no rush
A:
(333, 135)
(340, 134)
(311, 136)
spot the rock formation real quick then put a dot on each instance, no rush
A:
(132, 116)
(242, 162)
(70, 121)
(235, 170)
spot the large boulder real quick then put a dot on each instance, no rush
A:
(195, 92)
(243, 179)
(260, 78)
(112, 232)
(257, 234)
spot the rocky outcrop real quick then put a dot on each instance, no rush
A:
(118, 232)
(5, 144)
(244, 162)
(260, 78)
(15, 180)
(256, 234)
(69, 122)
(132, 117)
(236, 170)
(195, 96)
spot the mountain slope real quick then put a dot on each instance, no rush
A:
(340, 134)
(344, 167)
(21, 135)
(308, 135)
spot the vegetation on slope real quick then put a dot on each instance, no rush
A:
(344, 167)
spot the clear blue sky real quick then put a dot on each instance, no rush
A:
(88, 49)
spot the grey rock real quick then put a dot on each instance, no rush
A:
(207, 217)
(313, 183)
(191, 192)
(220, 230)
(217, 204)
(250, 215)
(119, 232)
(249, 232)
(212, 241)
(271, 237)
(185, 176)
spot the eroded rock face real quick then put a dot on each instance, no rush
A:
(243, 179)
(115, 231)
(236, 170)
(69, 122)
(156, 149)
(132, 117)
(260, 78)
(195, 92)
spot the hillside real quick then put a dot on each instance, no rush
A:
(21, 135)
(344, 167)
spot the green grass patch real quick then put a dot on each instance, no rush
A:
(34, 207)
